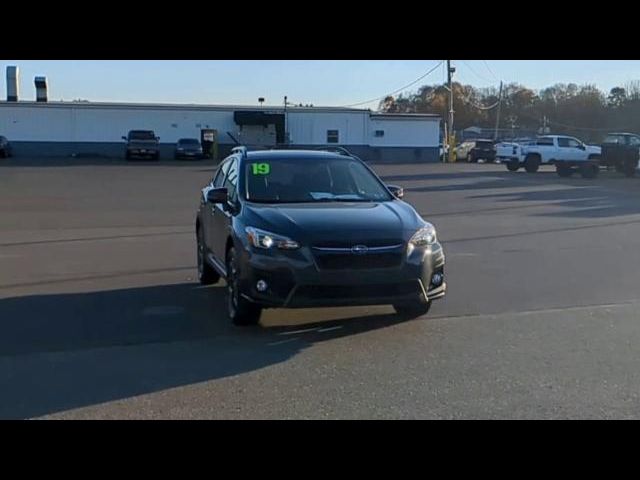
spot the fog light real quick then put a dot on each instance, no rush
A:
(436, 279)
(261, 286)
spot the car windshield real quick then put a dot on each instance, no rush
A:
(291, 180)
(188, 141)
(142, 135)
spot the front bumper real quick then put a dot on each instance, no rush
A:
(142, 152)
(295, 280)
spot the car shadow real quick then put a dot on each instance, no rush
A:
(583, 199)
(66, 351)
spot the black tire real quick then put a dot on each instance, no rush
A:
(156, 156)
(629, 168)
(532, 163)
(471, 158)
(206, 273)
(590, 170)
(563, 170)
(127, 156)
(413, 309)
(513, 165)
(240, 311)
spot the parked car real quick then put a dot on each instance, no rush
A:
(305, 228)
(142, 144)
(462, 150)
(5, 147)
(568, 154)
(188, 148)
(622, 151)
(482, 150)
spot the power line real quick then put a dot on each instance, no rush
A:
(396, 91)
(490, 71)
(476, 73)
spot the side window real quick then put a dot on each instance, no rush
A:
(635, 141)
(563, 142)
(231, 180)
(333, 136)
(218, 181)
(573, 143)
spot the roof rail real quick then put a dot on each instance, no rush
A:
(241, 150)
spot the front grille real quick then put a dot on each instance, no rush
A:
(358, 291)
(350, 261)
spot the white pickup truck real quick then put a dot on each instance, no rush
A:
(568, 154)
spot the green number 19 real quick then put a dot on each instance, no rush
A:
(261, 168)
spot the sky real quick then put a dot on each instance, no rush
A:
(317, 82)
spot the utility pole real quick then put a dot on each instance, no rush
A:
(451, 141)
(495, 136)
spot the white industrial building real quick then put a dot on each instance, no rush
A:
(45, 128)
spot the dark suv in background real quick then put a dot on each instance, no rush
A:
(142, 144)
(301, 228)
(482, 150)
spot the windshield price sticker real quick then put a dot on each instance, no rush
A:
(261, 168)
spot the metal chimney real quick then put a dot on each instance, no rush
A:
(13, 82)
(41, 89)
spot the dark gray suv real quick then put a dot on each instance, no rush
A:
(142, 144)
(289, 228)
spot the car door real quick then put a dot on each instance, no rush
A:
(578, 151)
(209, 209)
(221, 215)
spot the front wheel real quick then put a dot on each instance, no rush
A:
(629, 168)
(532, 163)
(241, 311)
(413, 309)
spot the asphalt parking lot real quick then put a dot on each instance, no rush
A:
(101, 317)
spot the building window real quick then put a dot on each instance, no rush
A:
(333, 136)
(379, 133)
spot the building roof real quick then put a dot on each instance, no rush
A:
(198, 106)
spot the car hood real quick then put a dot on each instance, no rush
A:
(337, 223)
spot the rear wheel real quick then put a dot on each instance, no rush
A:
(532, 163)
(240, 310)
(513, 165)
(589, 170)
(413, 309)
(563, 170)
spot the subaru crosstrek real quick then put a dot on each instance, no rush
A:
(291, 229)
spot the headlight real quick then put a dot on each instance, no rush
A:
(262, 239)
(425, 236)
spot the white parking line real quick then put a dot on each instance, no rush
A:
(328, 329)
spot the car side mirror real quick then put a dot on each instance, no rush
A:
(217, 195)
(124, 138)
(582, 147)
(158, 138)
(397, 191)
